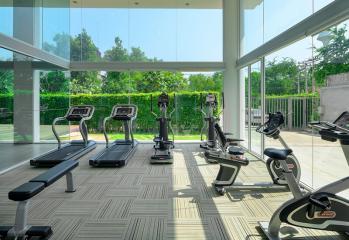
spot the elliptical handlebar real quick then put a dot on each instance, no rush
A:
(151, 106)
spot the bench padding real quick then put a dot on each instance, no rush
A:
(55, 173)
(26, 191)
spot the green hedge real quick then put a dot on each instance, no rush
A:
(186, 119)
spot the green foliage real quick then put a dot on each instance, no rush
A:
(281, 77)
(333, 58)
(6, 82)
(53, 82)
(186, 119)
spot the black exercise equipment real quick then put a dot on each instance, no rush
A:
(162, 143)
(118, 153)
(321, 209)
(209, 121)
(76, 148)
(271, 129)
(23, 194)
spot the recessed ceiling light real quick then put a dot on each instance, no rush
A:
(187, 4)
(136, 3)
(75, 2)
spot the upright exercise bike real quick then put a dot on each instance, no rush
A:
(321, 209)
(271, 129)
(209, 120)
(162, 143)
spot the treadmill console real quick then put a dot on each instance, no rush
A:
(76, 113)
(124, 112)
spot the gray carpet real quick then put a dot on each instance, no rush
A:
(143, 201)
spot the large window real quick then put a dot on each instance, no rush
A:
(262, 20)
(105, 89)
(306, 81)
(138, 33)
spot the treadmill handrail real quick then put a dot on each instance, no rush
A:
(105, 131)
(58, 119)
(84, 137)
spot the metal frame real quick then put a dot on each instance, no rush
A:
(146, 66)
(326, 17)
(29, 50)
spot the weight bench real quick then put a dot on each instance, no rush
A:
(26, 191)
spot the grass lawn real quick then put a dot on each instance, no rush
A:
(143, 136)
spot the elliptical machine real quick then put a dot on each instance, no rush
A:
(271, 129)
(162, 143)
(321, 209)
(210, 120)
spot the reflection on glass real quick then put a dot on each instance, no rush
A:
(331, 74)
(55, 27)
(256, 107)
(54, 102)
(288, 89)
(251, 25)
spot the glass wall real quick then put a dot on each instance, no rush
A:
(258, 19)
(146, 33)
(245, 129)
(331, 84)
(256, 107)
(56, 27)
(6, 97)
(306, 81)
(6, 17)
(105, 89)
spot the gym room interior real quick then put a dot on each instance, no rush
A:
(174, 119)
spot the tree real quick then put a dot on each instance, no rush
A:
(118, 53)
(83, 49)
(281, 77)
(6, 82)
(201, 82)
(53, 82)
(332, 58)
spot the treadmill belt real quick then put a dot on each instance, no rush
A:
(63, 152)
(117, 152)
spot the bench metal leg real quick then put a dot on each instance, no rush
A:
(20, 228)
(70, 182)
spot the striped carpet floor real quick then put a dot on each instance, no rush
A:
(143, 201)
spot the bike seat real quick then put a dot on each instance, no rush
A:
(277, 154)
(236, 151)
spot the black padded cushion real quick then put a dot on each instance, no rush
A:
(26, 191)
(278, 154)
(236, 151)
(55, 173)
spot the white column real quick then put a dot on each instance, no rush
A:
(26, 103)
(232, 91)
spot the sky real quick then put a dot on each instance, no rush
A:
(177, 34)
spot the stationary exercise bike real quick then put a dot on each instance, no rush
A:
(231, 159)
(271, 129)
(162, 143)
(210, 120)
(321, 209)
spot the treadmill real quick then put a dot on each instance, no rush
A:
(118, 153)
(75, 148)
